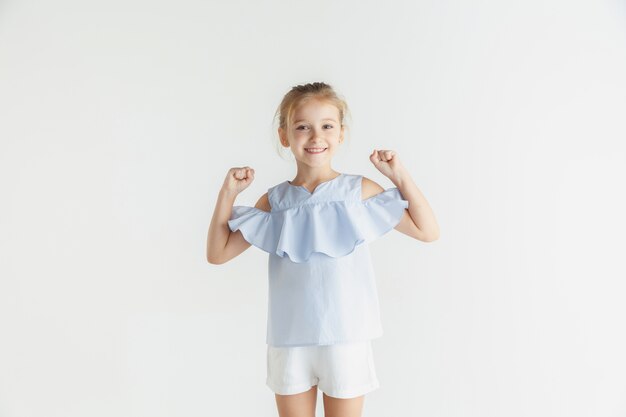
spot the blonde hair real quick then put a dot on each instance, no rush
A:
(300, 94)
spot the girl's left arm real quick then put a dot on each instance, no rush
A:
(422, 216)
(419, 209)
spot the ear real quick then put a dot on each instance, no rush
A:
(283, 138)
(342, 133)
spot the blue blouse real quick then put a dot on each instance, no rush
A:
(322, 288)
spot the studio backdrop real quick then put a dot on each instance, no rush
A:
(120, 119)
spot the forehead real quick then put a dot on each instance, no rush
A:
(316, 110)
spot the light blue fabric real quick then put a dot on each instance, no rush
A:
(322, 288)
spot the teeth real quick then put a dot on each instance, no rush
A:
(314, 150)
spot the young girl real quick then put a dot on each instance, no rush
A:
(323, 304)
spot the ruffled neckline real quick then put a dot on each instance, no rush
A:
(316, 188)
(333, 228)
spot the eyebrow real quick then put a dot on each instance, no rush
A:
(303, 120)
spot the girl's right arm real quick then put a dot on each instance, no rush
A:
(222, 245)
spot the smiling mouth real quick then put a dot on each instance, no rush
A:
(315, 150)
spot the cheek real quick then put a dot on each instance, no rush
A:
(300, 138)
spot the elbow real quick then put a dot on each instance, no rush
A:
(214, 260)
(427, 237)
(432, 237)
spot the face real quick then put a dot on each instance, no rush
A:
(315, 133)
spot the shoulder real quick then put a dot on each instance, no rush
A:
(263, 203)
(369, 188)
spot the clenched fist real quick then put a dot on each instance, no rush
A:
(387, 162)
(238, 179)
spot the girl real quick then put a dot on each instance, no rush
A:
(323, 305)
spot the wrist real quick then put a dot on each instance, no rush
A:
(227, 194)
(401, 177)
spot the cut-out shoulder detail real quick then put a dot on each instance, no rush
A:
(264, 203)
(369, 188)
(334, 228)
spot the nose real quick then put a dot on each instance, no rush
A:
(318, 133)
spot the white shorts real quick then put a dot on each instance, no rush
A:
(343, 370)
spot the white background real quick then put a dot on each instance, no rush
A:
(119, 120)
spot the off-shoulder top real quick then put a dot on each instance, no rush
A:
(321, 286)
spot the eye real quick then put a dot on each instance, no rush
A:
(329, 125)
(298, 128)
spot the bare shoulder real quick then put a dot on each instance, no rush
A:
(369, 188)
(263, 203)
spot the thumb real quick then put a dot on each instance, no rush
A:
(374, 157)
